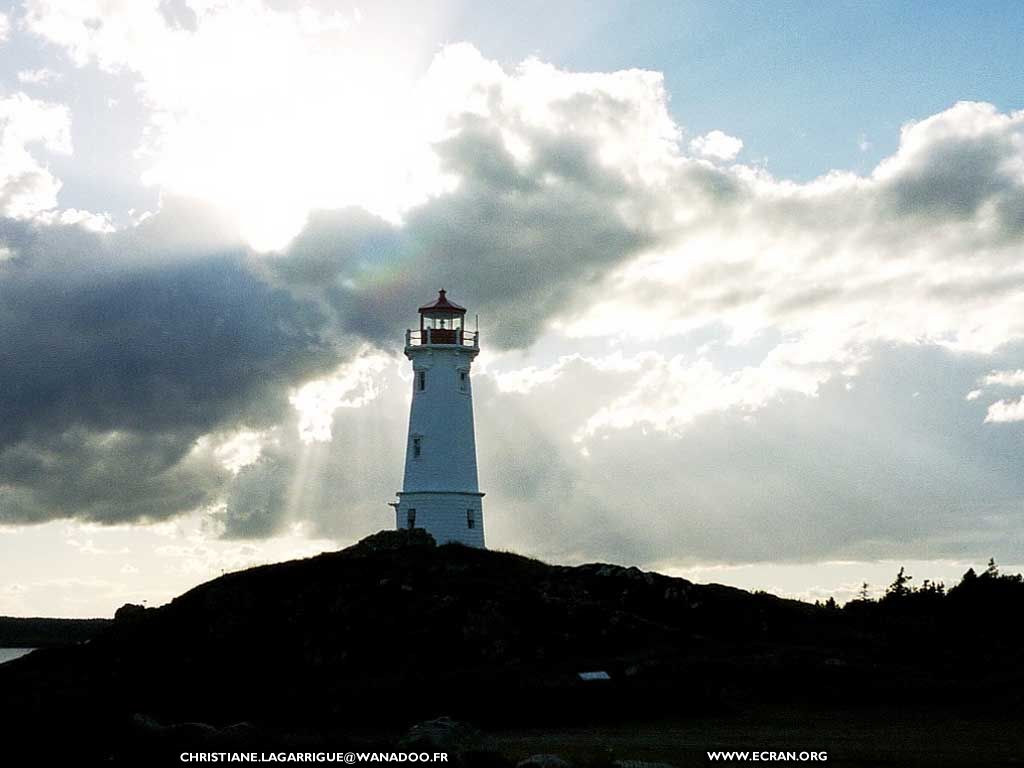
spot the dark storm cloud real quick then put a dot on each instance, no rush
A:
(114, 360)
(108, 478)
(155, 333)
(517, 241)
(257, 499)
(120, 351)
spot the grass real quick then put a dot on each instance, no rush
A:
(884, 737)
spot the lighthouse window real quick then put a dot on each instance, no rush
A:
(421, 380)
(417, 447)
(410, 518)
(463, 381)
(470, 519)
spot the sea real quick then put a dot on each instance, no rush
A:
(10, 654)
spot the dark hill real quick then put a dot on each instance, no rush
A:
(394, 630)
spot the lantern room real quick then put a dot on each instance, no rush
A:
(443, 322)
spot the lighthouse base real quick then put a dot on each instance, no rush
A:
(446, 515)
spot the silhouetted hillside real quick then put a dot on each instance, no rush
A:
(395, 630)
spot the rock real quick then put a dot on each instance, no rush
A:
(544, 761)
(440, 735)
(129, 612)
(388, 541)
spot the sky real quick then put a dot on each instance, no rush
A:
(749, 283)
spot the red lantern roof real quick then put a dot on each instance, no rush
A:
(441, 304)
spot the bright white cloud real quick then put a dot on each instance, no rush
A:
(353, 385)
(717, 145)
(303, 112)
(93, 222)
(27, 187)
(671, 393)
(1005, 379)
(914, 253)
(1003, 411)
(38, 76)
(237, 450)
(524, 380)
(310, 111)
(5, 27)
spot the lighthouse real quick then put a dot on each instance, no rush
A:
(440, 492)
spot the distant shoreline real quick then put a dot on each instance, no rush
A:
(40, 632)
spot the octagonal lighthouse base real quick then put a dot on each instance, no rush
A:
(448, 515)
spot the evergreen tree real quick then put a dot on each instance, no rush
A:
(899, 589)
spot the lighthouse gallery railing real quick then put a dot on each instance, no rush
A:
(457, 336)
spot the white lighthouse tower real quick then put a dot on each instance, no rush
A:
(440, 492)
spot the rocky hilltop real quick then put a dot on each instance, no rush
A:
(364, 642)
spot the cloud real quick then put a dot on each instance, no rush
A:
(553, 172)
(27, 187)
(716, 145)
(41, 76)
(209, 125)
(688, 331)
(1004, 378)
(257, 500)
(1003, 411)
(914, 253)
(336, 488)
(120, 352)
(294, 83)
(864, 473)
(5, 27)
(867, 473)
(577, 178)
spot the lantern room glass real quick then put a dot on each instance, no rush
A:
(445, 321)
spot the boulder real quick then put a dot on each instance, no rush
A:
(440, 735)
(129, 612)
(388, 541)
